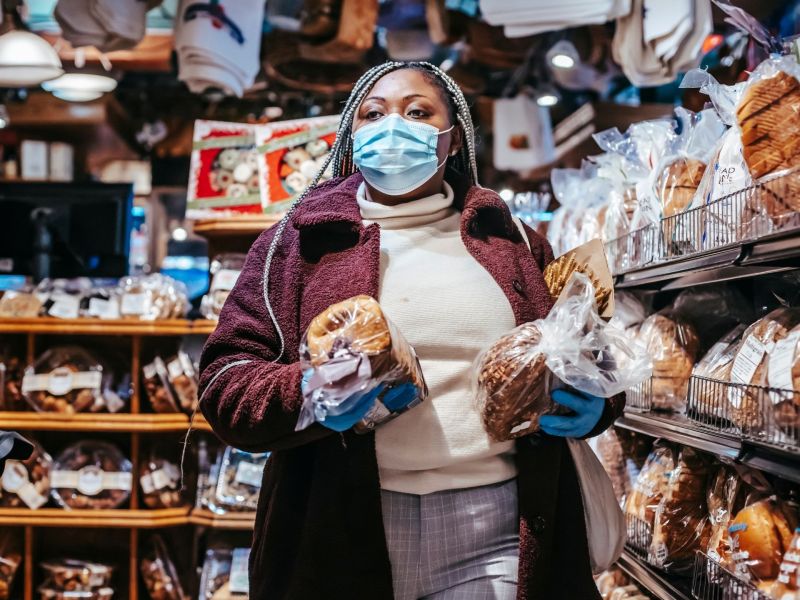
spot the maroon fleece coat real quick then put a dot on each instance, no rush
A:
(319, 530)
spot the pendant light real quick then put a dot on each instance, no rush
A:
(80, 87)
(26, 59)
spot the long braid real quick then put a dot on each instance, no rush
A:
(341, 154)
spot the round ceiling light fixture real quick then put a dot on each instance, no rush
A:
(80, 87)
(27, 60)
(563, 55)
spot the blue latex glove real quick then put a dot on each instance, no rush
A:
(351, 411)
(587, 408)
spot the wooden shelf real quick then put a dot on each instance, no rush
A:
(98, 422)
(244, 521)
(240, 225)
(117, 518)
(50, 325)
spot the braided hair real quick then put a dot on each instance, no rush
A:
(341, 154)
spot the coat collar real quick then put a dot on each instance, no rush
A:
(334, 202)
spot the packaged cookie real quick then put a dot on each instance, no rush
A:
(65, 379)
(749, 407)
(10, 559)
(152, 297)
(26, 484)
(91, 474)
(672, 343)
(224, 271)
(183, 378)
(160, 480)
(157, 387)
(159, 573)
(239, 479)
(358, 360)
(71, 575)
(225, 575)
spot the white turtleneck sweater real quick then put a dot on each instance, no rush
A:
(449, 308)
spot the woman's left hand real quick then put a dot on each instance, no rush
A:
(587, 408)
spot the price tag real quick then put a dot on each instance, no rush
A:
(65, 307)
(250, 474)
(104, 309)
(64, 479)
(744, 367)
(781, 362)
(134, 304)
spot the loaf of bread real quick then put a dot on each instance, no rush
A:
(673, 344)
(769, 118)
(681, 521)
(612, 457)
(515, 383)
(764, 531)
(651, 484)
(358, 327)
(677, 184)
(784, 375)
(725, 498)
(749, 406)
(715, 366)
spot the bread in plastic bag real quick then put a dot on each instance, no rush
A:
(159, 573)
(91, 474)
(513, 376)
(783, 374)
(65, 379)
(612, 457)
(747, 405)
(672, 343)
(152, 297)
(681, 525)
(160, 480)
(239, 480)
(183, 378)
(224, 575)
(72, 575)
(26, 483)
(715, 365)
(651, 484)
(353, 351)
(10, 559)
(787, 586)
(224, 271)
(157, 387)
(760, 534)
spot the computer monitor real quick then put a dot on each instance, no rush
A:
(65, 229)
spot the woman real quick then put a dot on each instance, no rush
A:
(427, 506)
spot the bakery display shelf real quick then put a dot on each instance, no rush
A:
(51, 325)
(100, 518)
(242, 521)
(85, 422)
(653, 580)
(711, 581)
(240, 225)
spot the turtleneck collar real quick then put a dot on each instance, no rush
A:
(413, 213)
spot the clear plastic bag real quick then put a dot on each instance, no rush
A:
(727, 494)
(224, 575)
(152, 297)
(91, 474)
(157, 387)
(77, 575)
(239, 479)
(160, 480)
(759, 536)
(612, 457)
(20, 305)
(783, 373)
(61, 298)
(787, 586)
(159, 573)
(10, 559)
(672, 343)
(65, 379)
(749, 367)
(513, 376)
(183, 378)
(47, 592)
(353, 352)
(224, 271)
(681, 523)
(12, 369)
(26, 484)
(651, 484)
(716, 364)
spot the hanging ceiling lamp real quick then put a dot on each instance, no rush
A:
(26, 59)
(80, 87)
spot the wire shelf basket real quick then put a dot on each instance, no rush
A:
(770, 205)
(640, 397)
(639, 537)
(712, 581)
(767, 415)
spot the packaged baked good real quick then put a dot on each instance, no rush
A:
(10, 559)
(651, 485)
(513, 376)
(716, 366)
(159, 573)
(12, 369)
(61, 298)
(91, 474)
(65, 379)
(20, 305)
(71, 575)
(239, 480)
(26, 484)
(783, 375)
(672, 343)
(355, 354)
(760, 535)
(47, 592)
(612, 458)
(183, 379)
(789, 573)
(152, 297)
(160, 480)
(224, 271)
(609, 580)
(225, 575)
(749, 405)
(681, 525)
(100, 303)
(208, 464)
(157, 387)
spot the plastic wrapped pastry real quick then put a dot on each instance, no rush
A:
(224, 575)
(239, 479)
(20, 305)
(224, 271)
(10, 559)
(152, 297)
(159, 573)
(12, 368)
(787, 586)
(681, 521)
(749, 405)
(91, 474)
(672, 343)
(70, 575)
(26, 484)
(354, 353)
(651, 484)
(157, 388)
(727, 495)
(47, 592)
(715, 365)
(65, 379)
(160, 480)
(783, 373)
(182, 377)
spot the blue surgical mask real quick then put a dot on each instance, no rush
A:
(396, 156)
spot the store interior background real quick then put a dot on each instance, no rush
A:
(138, 130)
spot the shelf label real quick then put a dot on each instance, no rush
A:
(781, 362)
(91, 480)
(65, 306)
(165, 477)
(239, 583)
(250, 474)
(15, 481)
(747, 361)
(61, 381)
(134, 304)
(104, 309)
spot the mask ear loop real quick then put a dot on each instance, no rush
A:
(440, 165)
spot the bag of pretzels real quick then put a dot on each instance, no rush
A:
(573, 345)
